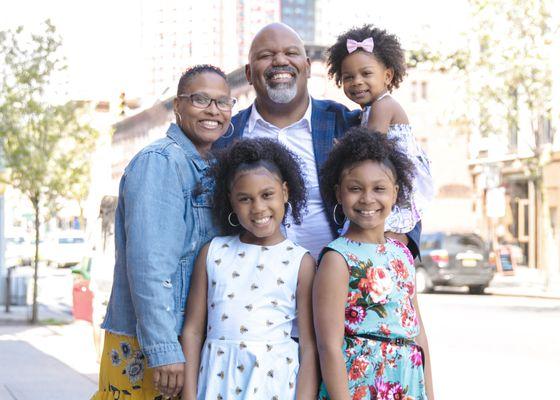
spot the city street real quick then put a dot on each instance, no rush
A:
(483, 347)
(492, 347)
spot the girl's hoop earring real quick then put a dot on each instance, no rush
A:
(229, 220)
(288, 211)
(334, 214)
(232, 130)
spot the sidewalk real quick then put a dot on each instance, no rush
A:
(525, 282)
(54, 360)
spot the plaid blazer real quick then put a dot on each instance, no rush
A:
(329, 121)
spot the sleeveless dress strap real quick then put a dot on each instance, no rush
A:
(381, 97)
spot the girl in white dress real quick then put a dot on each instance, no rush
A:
(369, 63)
(251, 290)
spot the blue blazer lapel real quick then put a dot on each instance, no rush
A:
(239, 121)
(323, 126)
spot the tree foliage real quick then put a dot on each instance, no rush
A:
(46, 146)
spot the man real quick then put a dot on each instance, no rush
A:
(279, 69)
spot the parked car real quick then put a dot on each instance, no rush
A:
(453, 259)
(15, 251)
(65, 248)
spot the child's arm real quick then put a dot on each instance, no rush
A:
(308, 376)
(385, 112)
(422, 340)
(194, 330)
(330, 290)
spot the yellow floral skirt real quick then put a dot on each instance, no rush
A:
(124, 374)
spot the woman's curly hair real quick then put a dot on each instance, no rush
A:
(359, 145)
(386, 49)
(250, 154)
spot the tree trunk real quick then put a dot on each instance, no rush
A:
(34, 310)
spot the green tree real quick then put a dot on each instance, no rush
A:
(507, 69)
(45, 144)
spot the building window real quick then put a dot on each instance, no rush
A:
(424, 90)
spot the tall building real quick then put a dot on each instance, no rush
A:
(332, 17)
(178, 33)
(300, 15)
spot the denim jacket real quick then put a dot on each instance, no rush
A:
(163, 219)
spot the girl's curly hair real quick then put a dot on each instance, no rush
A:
(359, 145)
(250, 154)
(386, 49)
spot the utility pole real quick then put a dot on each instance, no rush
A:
(3, 270)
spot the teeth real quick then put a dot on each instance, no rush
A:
(368, 213)
(261, 221)
(209, 124)
(281, 76)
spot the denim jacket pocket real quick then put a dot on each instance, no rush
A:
(183, 279)
(202, 210)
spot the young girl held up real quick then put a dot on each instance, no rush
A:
(369, 63)
(372, 344)
(251, 289)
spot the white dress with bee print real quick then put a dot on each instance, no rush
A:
(249, 352)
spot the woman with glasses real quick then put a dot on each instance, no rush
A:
(163, 218)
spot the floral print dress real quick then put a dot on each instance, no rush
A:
(380, 303)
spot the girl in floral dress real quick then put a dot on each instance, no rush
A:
(251, 289)
(364, 299)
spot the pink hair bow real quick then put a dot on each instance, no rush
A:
(366, 44)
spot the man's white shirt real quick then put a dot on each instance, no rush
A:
(314, 232)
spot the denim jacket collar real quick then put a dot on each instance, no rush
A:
(178, 136)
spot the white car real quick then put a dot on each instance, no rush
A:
(65, 249)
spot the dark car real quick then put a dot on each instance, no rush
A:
(453, 259)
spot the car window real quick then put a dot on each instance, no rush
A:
(430, 241)
(457, 243)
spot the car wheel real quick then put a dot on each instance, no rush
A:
(423, 281)
(477, 289)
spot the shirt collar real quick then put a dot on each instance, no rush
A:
(256, 117)
(179, 137)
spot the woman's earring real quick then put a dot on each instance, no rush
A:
(334, 214)
(232, 130)
(229, 220)
(178, 116)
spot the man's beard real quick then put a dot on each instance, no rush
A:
(282, 93)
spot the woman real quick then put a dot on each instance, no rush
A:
(162, 220)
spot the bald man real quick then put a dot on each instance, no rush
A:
(278, 69)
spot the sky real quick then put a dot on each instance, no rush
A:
(101, 41)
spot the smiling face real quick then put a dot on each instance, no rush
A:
(203, 126)
(257, 197)
(367, 192)
(278, 66)
(364, 77)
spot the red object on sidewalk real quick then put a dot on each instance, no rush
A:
(82, 299)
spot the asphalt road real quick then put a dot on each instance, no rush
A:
(493, 347)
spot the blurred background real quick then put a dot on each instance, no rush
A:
(482, 93)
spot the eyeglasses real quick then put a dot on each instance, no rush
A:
(202, 101)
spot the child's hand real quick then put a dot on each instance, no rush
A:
(401, 237)
(168, 379)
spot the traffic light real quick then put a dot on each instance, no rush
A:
(122, 103)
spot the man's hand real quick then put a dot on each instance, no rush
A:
(168, 379)
(401, 237)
